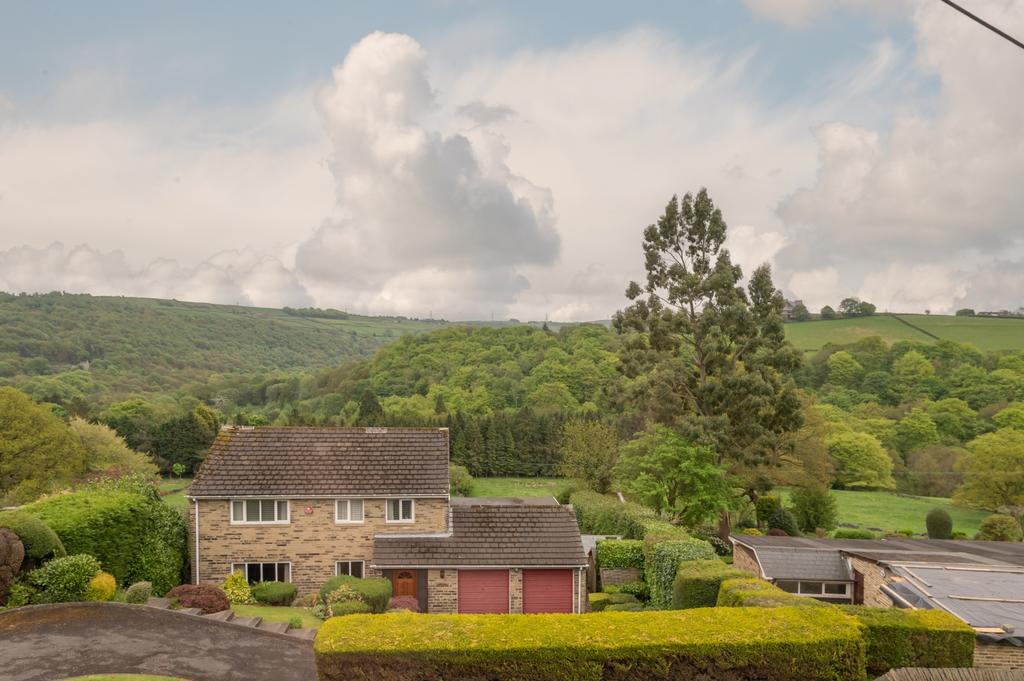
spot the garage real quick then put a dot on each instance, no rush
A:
(547, 591)
(483, 591)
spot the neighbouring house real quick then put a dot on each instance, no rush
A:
(980, 582)
(304, 504)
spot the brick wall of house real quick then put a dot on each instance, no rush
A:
(998, 656)
(310, 542)
(515, 591)
(614, 576)
(743, 559)
(874, 578)
(442, 592)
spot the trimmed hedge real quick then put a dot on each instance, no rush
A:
(752, 592)
(41, 543)
(599, 601)
(847, 533)
(912, 638)
(135, 537)
(663, 562)
(625, 607)
(274, 593)
(65, 579)
(374, 591)
(782, 644)
(604, 514)
(697, 582)
(620, 553)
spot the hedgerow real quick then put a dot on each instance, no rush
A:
(782, 644)
(912, 638)
(752, 592)
(374, 591)
(41, 543)
(662, 564)
(620, 553)
(134, 536)
(603, 514)
(697, 582)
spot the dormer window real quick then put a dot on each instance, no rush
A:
(348, 511)
(259, 511)
(401, 511)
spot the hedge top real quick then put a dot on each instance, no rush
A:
(656, 631)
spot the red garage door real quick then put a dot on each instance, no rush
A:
(547, 591)
(483, 591)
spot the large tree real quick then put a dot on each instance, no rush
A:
(589, 452)
(993, 472)
(717, 361)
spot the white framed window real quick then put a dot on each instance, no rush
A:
(838, 590)
(401, 510)
(348, 511)
(259, 511)
(264, 572)
(353, 568)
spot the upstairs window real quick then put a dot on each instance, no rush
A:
(348, 511)
(259, 511)
(401, 511)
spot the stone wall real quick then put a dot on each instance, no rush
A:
(998, 656)
(442, 592)
(743, 559)
(874, 579)
(515, 591)
(312, 542)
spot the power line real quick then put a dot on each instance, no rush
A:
(984, 23)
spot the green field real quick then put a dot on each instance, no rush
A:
(517, 487)
(172, 490)
(891, 512)
(987, 333)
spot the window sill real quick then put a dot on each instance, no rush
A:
(259, 523)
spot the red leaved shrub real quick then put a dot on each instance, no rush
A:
(404, 603)
(207, 598)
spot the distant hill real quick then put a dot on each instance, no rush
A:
(987, 333)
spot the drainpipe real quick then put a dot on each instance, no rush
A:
(195, 572)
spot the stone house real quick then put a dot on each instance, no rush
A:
(304, 504)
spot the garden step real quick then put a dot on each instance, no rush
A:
(159, 603)
(305, 634)
(223, 616)
(247, 621)
(191, 611)
(276, 627)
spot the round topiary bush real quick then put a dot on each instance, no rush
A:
(939, 524)
(782, 519)
(207, 598)
(999, 527)
(274, 593)
(66, 579)
(12, 553)
(138, 593)
(101, 587)
(40, 542)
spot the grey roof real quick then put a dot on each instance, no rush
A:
(808, 564)
(979, 595)
(325, 462)
(490, 535)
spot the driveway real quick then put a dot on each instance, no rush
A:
(48, 642)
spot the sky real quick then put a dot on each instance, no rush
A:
(475, 160)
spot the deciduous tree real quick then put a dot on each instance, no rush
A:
(590, 450)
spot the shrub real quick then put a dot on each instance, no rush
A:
(207, 598)
(958, 535)
(12, 554)
(404, 603)
(20, 595)
(625, 607)
(134, 535)
(896, 638)
(745, 592)
(274, 593)
(236, 588)
(853, 533)
(294, 622)
(599, 601)
(138, 593)
(620, 553)
(460, 480)
(997, 527)
(101, 587)
(605, 514)
(752, 532)
(710, 535)
(343, 608)
(697, 582)
(782, 519)
(41, 543)
(621, 598)
(939, 524)
(66, 579)
(664, 564)
(765, 505)
(374, 591)
(638, 588)
(783, 644)
(814, 506)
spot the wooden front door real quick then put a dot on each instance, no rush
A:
(404, 583)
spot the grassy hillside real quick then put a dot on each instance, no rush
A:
(986, 333)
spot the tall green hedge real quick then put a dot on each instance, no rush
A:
(697, 582)
(135, 537)
(620, 553)
(912, 638)
(663, 561)
(783, 644)
(752, 592)
(605, 514)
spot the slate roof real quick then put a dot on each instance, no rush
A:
(982, 596)
(245, 461)
(490, 535)
(807, 564)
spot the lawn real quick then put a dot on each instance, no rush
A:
(278, 613)
(890, 512)
(173, 491)
(517, 487)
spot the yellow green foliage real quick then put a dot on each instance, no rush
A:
(753, 592)
(101, 587)
(236, 588)
(912, 638)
